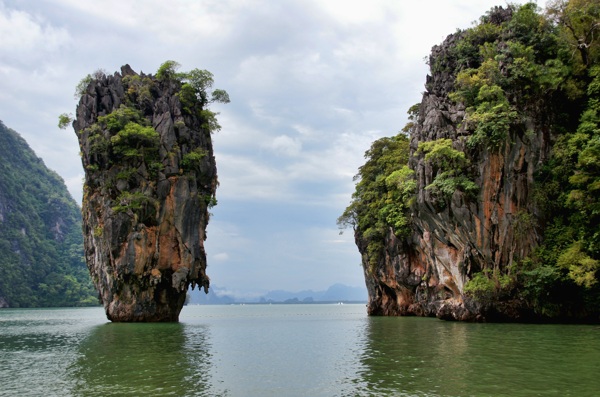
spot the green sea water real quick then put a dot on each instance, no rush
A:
(290, 350)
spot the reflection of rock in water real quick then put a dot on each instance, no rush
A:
(144, 359)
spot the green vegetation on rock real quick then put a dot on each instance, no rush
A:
(519, 76)
(383, 195)
(150, 179)
(453, 166)
(535, 56)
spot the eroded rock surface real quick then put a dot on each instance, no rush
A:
(425, 274)
(150, 176)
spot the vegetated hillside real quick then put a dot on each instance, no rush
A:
(486, 206)
(41, 245)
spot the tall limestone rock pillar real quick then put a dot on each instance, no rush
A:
(150, 177)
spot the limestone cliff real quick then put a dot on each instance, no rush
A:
(150, 177)
(481, 141)
(426, 274)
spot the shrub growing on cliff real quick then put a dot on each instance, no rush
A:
(516, 66)
(135, 140)
(196, 92)
(488, 289)
(452, 166)
(64, 120)
(384, 193)
(82, 86)
(138, 205)
(191, 161)
(168, 70)
(139, 89)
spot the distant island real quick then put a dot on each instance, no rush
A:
(337, 293)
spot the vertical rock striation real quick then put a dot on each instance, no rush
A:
(426, 275)
(453, 238)
(150, 177)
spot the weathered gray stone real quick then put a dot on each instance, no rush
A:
(425, 274)
(142, 260)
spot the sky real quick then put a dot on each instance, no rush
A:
(312, 84)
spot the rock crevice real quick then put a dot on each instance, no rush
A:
(425, 273)
(145, 212)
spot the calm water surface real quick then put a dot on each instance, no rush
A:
(290, 350)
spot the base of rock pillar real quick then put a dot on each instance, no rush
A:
(161, 310)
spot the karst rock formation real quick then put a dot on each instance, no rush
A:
(501, 224)
(150, 177)
(425, 274)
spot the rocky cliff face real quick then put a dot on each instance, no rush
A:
(150, 177)
(456, 236)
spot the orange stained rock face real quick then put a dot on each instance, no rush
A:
(404, 298)
(169, 255)
(136, 261)
(144, 249)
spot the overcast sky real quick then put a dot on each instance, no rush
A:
(312, 84)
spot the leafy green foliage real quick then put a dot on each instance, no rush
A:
(134, 201)
(210, 120)
(82, 86)
(131, 136)
(139, 89)
(196, 92)
(570, 185)
(168, 70)
(441, 153)
(99, 145)
(188, 98)
(117, 119)
(452, 165)
(582, 268)
(138, 205)
(209, 200)
(41, 244)
(135, 140)
(220, 96)
(516, 64)
(383, 195)
(192, 161)
(64, 120)
(487, 289)
(578, 20)
(492, 118)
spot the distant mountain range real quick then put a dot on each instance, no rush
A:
(335, 293)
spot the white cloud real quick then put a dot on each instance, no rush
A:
(287, 146)
(27, 36)
(221, 257)
(353, 12)
(247, 178)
